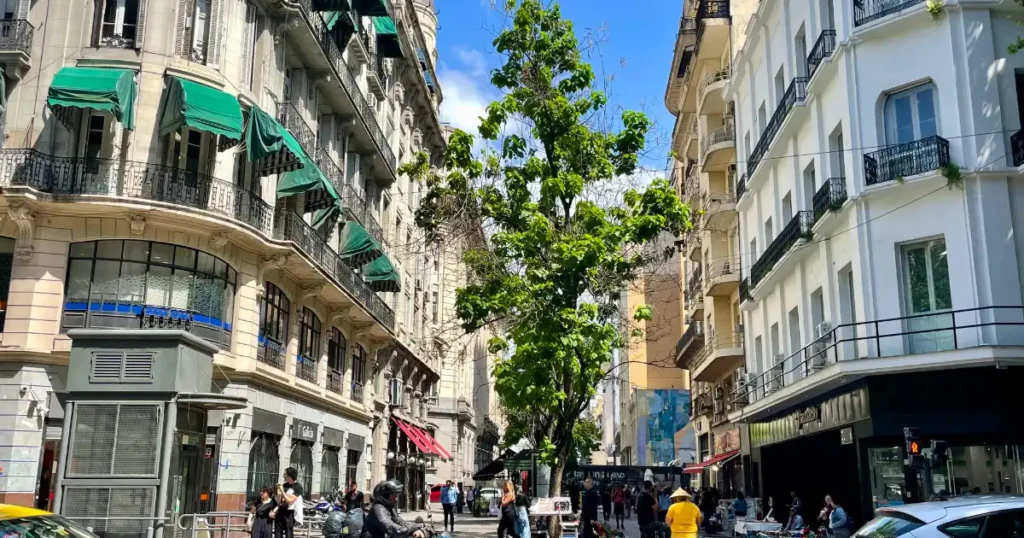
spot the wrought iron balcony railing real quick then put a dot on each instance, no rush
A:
(132, 179)
(1017, 147)
(745, 291)
(741, 186)
(796, 93)
(357, 392)
(289, 116)
(823, 48)
(291, 227)
(865, 11)
(335, 380)
(330, 168)
(904, 160)
(799, 227)
(305, 368)
(270, 352)
(16, 35)
(831, 195)
(710, 9)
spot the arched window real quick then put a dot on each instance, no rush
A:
(330, 471)
(302, 460)
(273, 326)
(309, 346)
(263, 465)
(124, 284)
(336, 348)
(910, 115)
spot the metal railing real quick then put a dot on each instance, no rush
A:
(694, 286)
(692, 334)
(291, 227)
(353, 204)
(710, 79)
(713, 343)
(132, 179)
(1017, 147)
(719, 268)
(305, 368)
(330, 168)
(823, 48)
(124, 526)
(16, 35)
(903, 160)
(110, 37)
(745, 290)
(710, 9)
(865, 11)
(741, 186)
(796, 93)
(290, 116)
(831, 195)
(271, 352)
(721, 135)
(891, 337)
(711, 202)
(335, 380)
(799, 227)
(357, 392)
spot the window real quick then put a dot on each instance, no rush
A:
(120, 284)
(433, 305)
(336, 348)
(352, 465)
(199, 31)
(800, 48)
(94, 135)
(787, 207)
(358, 365)
(891, 524)
(274, 314)
(302, 460)
(759, 354)
(1009, 524)
(965, 528)
(810, 183)
(118, 23)
(329, 471)
(837, 152)
(910, 115)
(249, 40)
(753, 251)
(768, 235)
(926, 290)
(309, 335)
(780, 84)
(762, 119)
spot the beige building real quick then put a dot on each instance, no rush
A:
(229, 168)
(704, 147)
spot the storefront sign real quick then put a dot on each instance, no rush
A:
(809, 415)
(840, 410)
(302, 430)
(335, 438)
(268, 422)
(356, 442)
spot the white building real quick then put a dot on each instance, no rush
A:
(872, 291)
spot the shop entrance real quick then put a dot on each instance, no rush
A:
(823, 466)
(186, 479)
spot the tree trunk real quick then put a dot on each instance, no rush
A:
(555, 522)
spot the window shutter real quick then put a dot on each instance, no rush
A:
(106, 367)
(23, 6)
(140, 25)
(182, 40)
(138, 367)
(248, 44)
(215, 48)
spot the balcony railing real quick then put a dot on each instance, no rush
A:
(289, 116)
(335, 380)
(903, 160)
(710, 9)
(1017, 147)
(799, 227)
(291, 227)
(745, 291)
(865, 11)
(710, 79)
(270, 352)
(822, 49)
(891, 337)
(16, 35)
(132, 179)
(796, 93)
(831, 195)
(305, 369)
(330, 168)
(692, 334)
(713, 343)
(357, 392)
(741, 186)
(718, 136)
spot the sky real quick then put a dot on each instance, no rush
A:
(635, 51)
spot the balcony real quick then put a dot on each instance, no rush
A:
(865, 11)
(719, 209)
(796, 93)
(799, 227)
(330, 168)
(723, 278)
(16, 45)
(290, 116)
(905, 160)
(357, 392)
(134, 180)
(741, 186)
(689, 343)
(710, 99)
(830, 196)
(464, 410)
(693, 294)
(823, 48)
(745, 291)
(721, 353)
(291, 227)
(1017, 147)
(712, 27)
(376, 77)
(718, 148)
(692, 240)
(270, 352)
(335, 380)
(305, 369)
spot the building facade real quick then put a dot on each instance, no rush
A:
(228, 168)
(878, 207)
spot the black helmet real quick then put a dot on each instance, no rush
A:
(384, 490)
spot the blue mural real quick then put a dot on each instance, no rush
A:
(667, 411)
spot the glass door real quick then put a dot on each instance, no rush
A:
(928, 298)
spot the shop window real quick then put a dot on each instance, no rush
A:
(927, 291)
(351, 466)
(910, 115)
(302, 460)
(131, 284)
(330, 471)
(264, 463)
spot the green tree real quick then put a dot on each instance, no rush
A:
(555, 260)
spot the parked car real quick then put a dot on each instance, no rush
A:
(23, 522)
(489, 493)
(970, 516)
(435, 493)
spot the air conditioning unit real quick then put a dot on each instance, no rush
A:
(780, 360)
(739, 374)
(816, 360)
(774, 381)
(719, 407)
(750, 383)
(823, 330)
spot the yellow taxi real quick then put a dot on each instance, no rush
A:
(22, 522)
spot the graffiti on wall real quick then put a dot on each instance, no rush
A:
(666, 412)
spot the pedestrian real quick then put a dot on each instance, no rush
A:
(707, 507)
(523, 513)
(588, 508)
(262, 526)
(838, 522)
(353, 497)
(619, 502)
(448, 497)
(647, 514)
(471, 496)
(507, 515)
(460, 499)
(795, 507)
(289, 513)
(683, 516)
(739, 506)
(606, 503)
(663, 504)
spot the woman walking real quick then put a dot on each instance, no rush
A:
(523, 513)
(262, 524)
(507, 521)
(683, 516)
(838, 521)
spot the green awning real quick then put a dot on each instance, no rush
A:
(270, 145)
(388, 43)
(381, 275)
(201, 107)
(107, 90)
(358, 247)
(308, 179)
(331, 18)
(330, 5)
(371, 8)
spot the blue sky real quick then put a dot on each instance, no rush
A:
(635, 49)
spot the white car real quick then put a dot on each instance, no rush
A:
(971, 516)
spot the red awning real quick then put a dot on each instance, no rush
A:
(724, 456)
(437, 448)
(408, 430)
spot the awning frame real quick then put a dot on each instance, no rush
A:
(720, 458)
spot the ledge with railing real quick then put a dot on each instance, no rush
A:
(865, 11)
(330, 168)
(291, 227)
(823, 48)
(904, 160)
(831, 195)
(136, 180)
(357, 392)
(713, 343)
(710, 9)
(718, 270)
(710, 79)
(891, 337)
(16, 35)
(270, 352)
(694, 334)
(335, 380)
(721, 135)
(741, 186)
(1017, 147)
(305, 368)
(799, 227)
(796, 93)
(290, 116)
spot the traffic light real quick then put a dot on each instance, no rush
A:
(939, 453)
(912, 437)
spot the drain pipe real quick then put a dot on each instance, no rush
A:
(171, 418)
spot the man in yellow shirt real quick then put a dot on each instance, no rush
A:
(683, 517)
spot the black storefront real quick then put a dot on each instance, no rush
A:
(849, 442)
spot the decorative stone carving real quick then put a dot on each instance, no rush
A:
(308, 291)
(285, 25)
(267, 263)
(138, 223)
(218, 239)
(25, 219)
(408, 117)
(417, 139)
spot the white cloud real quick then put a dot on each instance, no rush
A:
(467, 90)
(473, 61)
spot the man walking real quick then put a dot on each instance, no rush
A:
(448, 497)
(353, 497)
(588, 507)
(647, 513)
(289, 513)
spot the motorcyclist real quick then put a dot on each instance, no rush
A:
(382, 520)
